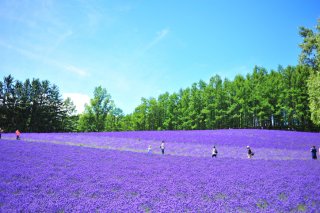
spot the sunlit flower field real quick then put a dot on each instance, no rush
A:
(112, 172)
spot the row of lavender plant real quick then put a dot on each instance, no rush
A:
(281, 145)
(46, 177)
(234, 137)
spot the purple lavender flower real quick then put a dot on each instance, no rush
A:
(72, 172)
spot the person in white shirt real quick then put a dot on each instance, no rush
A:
(149, 149)
(214, 152)
(162, 147)
(250, 152)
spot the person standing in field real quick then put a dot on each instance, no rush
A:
(18, 134)
(162, 147)
(149, 149)
(1, 131)
(250, 153)
(214, 152)
(314, 152)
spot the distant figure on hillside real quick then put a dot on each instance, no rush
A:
(162, 147)
(18, 134)
(214, 152)
(250, 152)
(149, 149)
(1, 131)
(314, 152)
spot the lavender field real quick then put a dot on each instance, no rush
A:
(112, 172)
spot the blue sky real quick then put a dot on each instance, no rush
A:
(144, 48)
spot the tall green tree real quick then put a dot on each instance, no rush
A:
(30, 106)
(114, 120)
(94, 117)
(70, 121)
(274, 88)
(310, 56)
(314, 97)
(140, 115)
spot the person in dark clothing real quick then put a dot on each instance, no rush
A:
(250, 153)
(314, 152)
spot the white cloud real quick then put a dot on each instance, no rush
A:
(78, 99)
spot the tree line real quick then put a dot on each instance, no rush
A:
(37, 106)
(278, 99)
(32, 105)
(273, 100)
(286, 98)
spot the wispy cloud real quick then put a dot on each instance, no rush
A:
(159, 37)
(78, 99)
(42, 58)
(76, 70)
(60, 39)
(21, 51)
(95, 15)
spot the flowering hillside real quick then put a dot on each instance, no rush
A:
(107, 172)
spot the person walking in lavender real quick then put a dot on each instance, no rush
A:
(18, 134)
(1, 131)
(149, 149)
(214, 152)
(162, 147)
(314, 152)
(250, 152)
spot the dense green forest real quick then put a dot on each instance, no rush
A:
(33, 106)
(286, 98)
(277, 100)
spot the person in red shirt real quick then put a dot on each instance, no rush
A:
(1, 131)
(18, 134)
